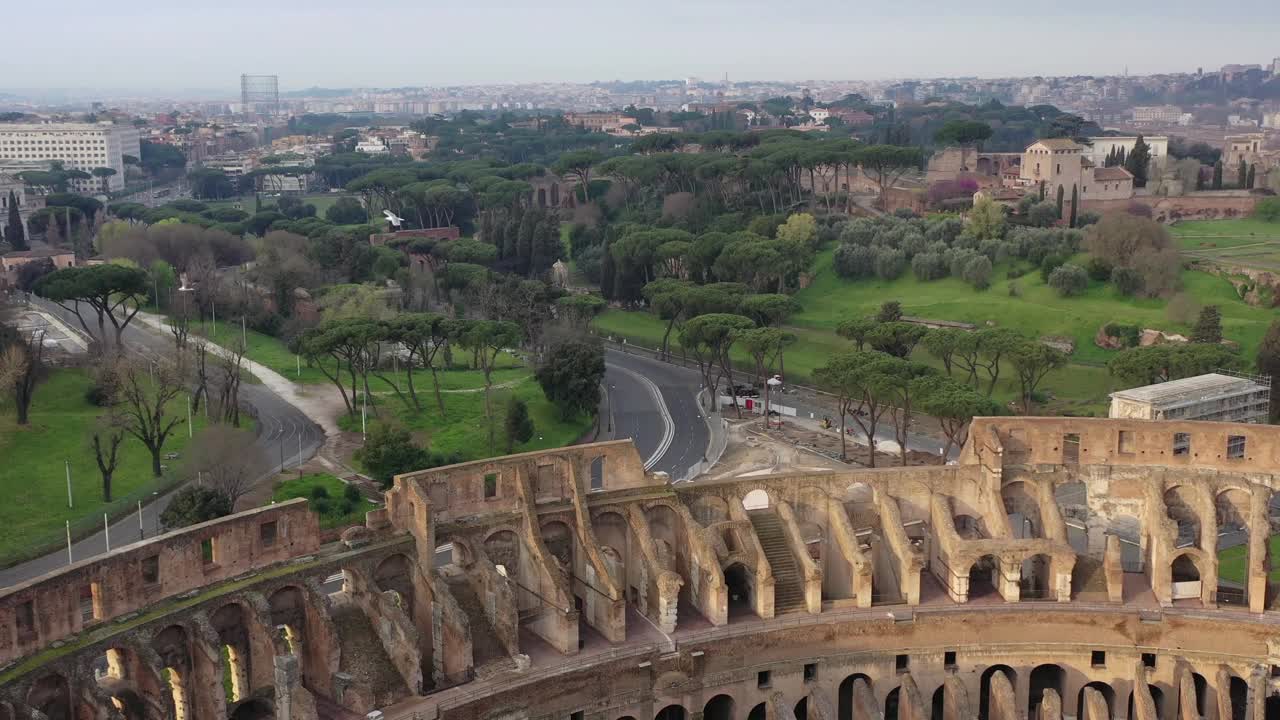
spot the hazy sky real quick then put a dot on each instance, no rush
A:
(149, 44)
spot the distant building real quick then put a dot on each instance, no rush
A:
(79, 146)
(260, 94)
(1157, 115)
(599, 121)
(372, 146)
(28, 202)
(1216, 397)
(1100, 147)
(1242, 148)
(1060, 166)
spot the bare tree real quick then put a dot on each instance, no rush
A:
(226, 460)
(231, 369)
(180, 325)
(200, 368)
(145, 396)
(106, 440)
(21, 367)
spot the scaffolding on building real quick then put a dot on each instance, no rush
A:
(260, 94)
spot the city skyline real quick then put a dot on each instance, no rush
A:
(487, 42)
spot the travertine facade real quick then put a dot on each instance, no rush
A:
(1065, 568)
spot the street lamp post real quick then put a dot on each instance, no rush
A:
(769, 385)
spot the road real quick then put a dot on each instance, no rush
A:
(284, 432)
(670, 441)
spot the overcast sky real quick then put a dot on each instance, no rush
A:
(148, 44)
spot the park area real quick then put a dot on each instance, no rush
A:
(337, 503)
(34, 479)
(1245, 243)
(1024, 303)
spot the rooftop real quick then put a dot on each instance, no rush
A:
(1112, 173)
(1058, 143)
(1200, 388)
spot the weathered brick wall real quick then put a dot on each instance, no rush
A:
(97, 590)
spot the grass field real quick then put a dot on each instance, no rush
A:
(322, 201)
(33, 476)
(274, 354)
(334, 507)
(1036, 311)
(465, 430)
(1231, 562)
(1208, 234)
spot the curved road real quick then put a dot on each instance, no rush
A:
(679, 436)
(287, 435)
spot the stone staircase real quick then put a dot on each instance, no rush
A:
(788, 590)
(485, 647)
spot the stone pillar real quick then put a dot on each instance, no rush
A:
(1259, 532)
(1010, 576)
(293, 701)
(1113, 569)
(955, 700)
(1051, 707)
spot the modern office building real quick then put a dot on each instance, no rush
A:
(1214, 396)
(260, 94)
(80, 146)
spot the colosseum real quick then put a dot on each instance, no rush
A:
(1063, 568)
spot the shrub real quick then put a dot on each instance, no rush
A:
(1127, 334)
(318, 492)
(977, 272)
(321, 505)
(905, 213)
(1043, 214)
(352, 493)
(889, 264)
(929, 266)
(1099, 269)
(1051, 263)
(1069, 280)
(1015, 290)
(890, 311)
(1267, 210)
(854, 261)
(1127, 281)
(1085, 219)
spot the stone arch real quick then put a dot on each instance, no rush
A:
(845, 695)
(1049, 676)
(557, 537)
(1202, 693)
(801, 709)
(1238, 691)
(938, 705)
(135, 688)
(1108, 696)
(709, 510)
(1037, 578)
(984, 687)
(502, 546)
(1022, 506)
(761, 712)
(1157, 698)
(984, 577)
(173, 645)
(671, 712)
(51, 695)
(968, 527)
(395, 572)
(1180, 507)
(860, 504)
(231, 622)
(1186, 568)
(1271, 710)
(757, 499)
(613, 534)
(1072, 499)
(1232, 508)
(719, 707)
(891, 704)
(256, 709)
(666, 530)
(288, 608)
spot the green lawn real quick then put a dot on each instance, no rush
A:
(334, 507)
(1037, 311)
(33, 476)
(1208, 234)
(322, 201)
(1231, 562)
(464, 429)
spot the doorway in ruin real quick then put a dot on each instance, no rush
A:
(801, 710)
(1036, 582)
(1108, 696)
(737, 581)
(719, 707)
(1044, 677)
(984, 688)
(891, 704)
(671, 712)
(1231, 510)
(1186, 578)
(254, 710)
(938, 707)
(845, 695)
(761, 712)
(1239, 694)
(984, 577)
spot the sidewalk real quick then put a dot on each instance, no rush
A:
(320, 410)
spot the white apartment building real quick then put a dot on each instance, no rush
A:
(1100, 147)
(80, 146)
(1157, 114)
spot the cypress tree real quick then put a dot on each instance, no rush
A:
(511, 236)
(1075, 204)
(524, 242)
(1242, 173)
(1250, 180)
(1138, 161)
(1208, 327)
(14, 233)
(1061, 198)
(1217, 175)
(608, 269)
